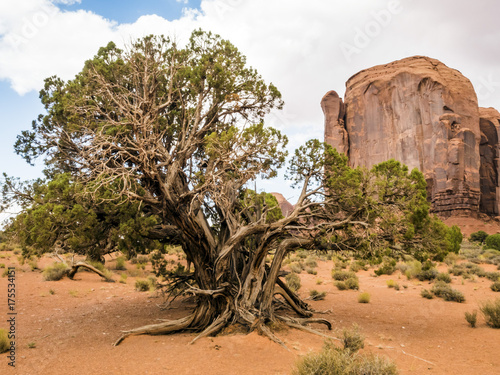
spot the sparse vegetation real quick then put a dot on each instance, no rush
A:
(426, 294)
(491, 312)
(296, 267)
(55, 272)
(442, 290)
(479, 236)
(387, 267)
(392, 284)
(293, 281)
(317, 296)
(120, 264)
(142, 285)
(493, 242)
(364, 297)
(340, 275)
(336, 361)
(444, 276)
(471, 318)
(31, 345)
(352, 339)
(123, 278)
(495, 286)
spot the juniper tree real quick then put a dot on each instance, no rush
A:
(180, 132)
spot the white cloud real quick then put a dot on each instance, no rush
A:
(293, 43)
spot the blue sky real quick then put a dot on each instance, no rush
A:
(305, 48)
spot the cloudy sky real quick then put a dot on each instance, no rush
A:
(305, 48)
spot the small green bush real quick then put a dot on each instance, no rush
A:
(317, 296)
(450, 259)
(391, 283)
(493, 276)
(55, 272)
(340, 275)
(387, 268)
(495, 286)
(311, 262)
(4, 341)
(142, 285)
(293, 281)
(352, 283)
(426, 294)
(311, 271)
(491, 312)
(364, 297)
(414, 268)
(493, 242)
(471, 318)
(429, 274)
(444, 276)
(123, 278)
(120, 264)
(478, 236)
(2, 265)
(341, 285)
(335, 361)
(444, 291)
(352, 339)
(296, 267)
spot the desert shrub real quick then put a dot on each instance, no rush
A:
(352, 339)
(444, 276)
(478, 236)
(429, 274)
(358, 265)
(120, 264)
(493, 276)
(414, 268)
(442, 290)
(387, 268)
(4, 341)
(311, 262)
(426, 294)
(352, 283)
(495, 286)
(33, 264)
(493, 242)
(123, 278)
(491, 312)
(55, 272)
(293, 281)
(364, 297)
(340, 275)
(317, 296)
(311, 271)
(391, 283)
(2, 265)
(450, 259)
(471, 318)
(319, 281)
(334, 361)
(152, 283)
(341, 285)
(296, 267)
(142, 285)
(5, 272)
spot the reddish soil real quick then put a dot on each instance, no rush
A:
(74, 328)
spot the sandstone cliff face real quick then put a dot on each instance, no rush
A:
(424, 114)
(489, 124)
(286, 207)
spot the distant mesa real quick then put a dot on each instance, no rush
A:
(286, 207)
(426, 115)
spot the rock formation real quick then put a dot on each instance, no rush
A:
(424, 114)
(286, 207)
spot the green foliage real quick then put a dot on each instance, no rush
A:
(444, 276)
(426, 294)
(491, 312)
(495, 286)
(120, 264)
(142, 285)
(352, 283)
(342, 275)
(293, 281)
(55, 272)
(364, 297)
(335, 361)
(471, 318)
(442, 290)
(4, 341)
(317, 296)
(296, 267)
(352, 339)
(392, 284)
(479, 236)
(493, 242)
(387, 268)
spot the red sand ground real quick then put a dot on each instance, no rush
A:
(74, 329)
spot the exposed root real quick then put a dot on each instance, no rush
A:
(292, 302)
(299, 324)
(215, 327)
(264, 330)
(158, 329)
